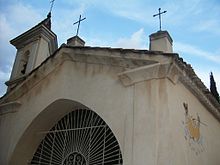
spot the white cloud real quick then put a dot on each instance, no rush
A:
(131, 9)
(15, 19)
(192, 50)
(134, 12)
(6, 30)
(143, 10)
(3, 88)
(181, 13)
(23, 14)
(137, 40)
(211, 26)
(4, 76)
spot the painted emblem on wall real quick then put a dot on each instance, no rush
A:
(192, 127)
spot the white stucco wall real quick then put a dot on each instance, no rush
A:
(42, 52)
(191, 152)
(95, 86)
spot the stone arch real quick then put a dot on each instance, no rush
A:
(33, 136)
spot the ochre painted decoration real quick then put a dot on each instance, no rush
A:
(192, 127)
(192, 124)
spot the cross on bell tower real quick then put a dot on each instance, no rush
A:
(159, 14)
(51, 5)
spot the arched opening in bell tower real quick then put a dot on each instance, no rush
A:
(24, 62)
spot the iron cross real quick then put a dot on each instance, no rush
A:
(51, 5)
(78, 22)
(159, 16)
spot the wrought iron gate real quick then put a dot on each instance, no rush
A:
(79, 138)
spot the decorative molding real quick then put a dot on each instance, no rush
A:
(149, 72)
(9, 107)
(16, 80)
(35, 34)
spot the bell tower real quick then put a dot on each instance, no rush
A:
(33, 47)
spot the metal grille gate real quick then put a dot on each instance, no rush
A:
(79, 138)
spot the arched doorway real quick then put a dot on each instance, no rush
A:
(80, 138)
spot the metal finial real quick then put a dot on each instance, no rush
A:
(51, 5)
(78, 22)
(160, 13)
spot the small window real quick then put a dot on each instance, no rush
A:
(24, 62)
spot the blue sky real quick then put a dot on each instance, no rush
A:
(193, 24)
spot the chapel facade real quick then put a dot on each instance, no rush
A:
(85, 105)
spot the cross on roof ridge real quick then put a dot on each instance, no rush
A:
(159, 14)
(78, 22)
